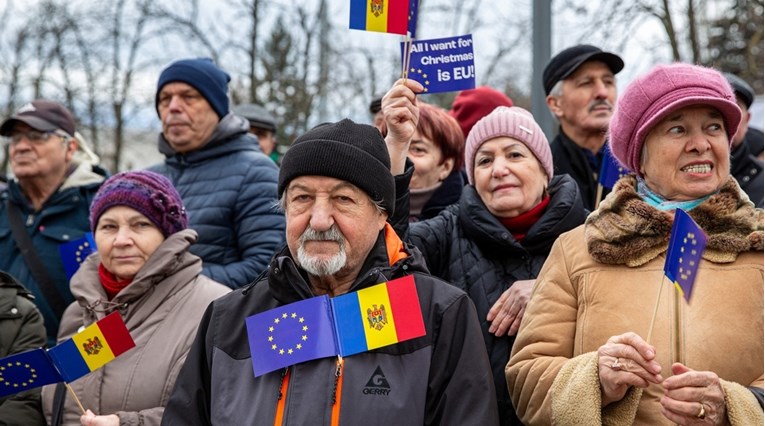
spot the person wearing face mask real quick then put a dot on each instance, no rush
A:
(606, 338)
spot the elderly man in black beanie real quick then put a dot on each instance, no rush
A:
(744, 165)
(337, 191)
(227, 184)
(580, 84)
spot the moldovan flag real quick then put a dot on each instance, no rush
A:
(378, 316)
(26, 370)
(386, 16)
(686, 245)
(92, 348)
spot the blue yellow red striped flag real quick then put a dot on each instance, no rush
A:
(386, 16)
(92, 348)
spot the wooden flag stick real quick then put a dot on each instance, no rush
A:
(74, 395)
(655, 310)
(407, 56)
(598, 196)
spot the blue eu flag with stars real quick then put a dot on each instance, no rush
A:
(686, 245)
(411, 26)
(27, 370)
(610, 170)
(73, 253)
(294, 333)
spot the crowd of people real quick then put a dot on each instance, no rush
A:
(542, 293)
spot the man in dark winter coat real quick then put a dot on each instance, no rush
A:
(227, 184)
(48, 199)
(580, 83)
(337, 192)
(21, 329)
(744, 166)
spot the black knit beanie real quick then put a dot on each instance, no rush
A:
(352, 152)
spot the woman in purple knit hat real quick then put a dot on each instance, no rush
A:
(142, 269)
(606, 338)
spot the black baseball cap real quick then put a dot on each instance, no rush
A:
(569, 60)
(257, 116)
(741, 88)
(42, 115)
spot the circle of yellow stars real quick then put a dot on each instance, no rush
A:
(425, 81)
(686, 272)
(298, 346)
(23, 384)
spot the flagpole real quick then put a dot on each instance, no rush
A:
(598, 195)
(408, 42)
(74, 395)
(655, 310)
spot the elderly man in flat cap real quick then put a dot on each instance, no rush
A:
(45, 205)
(580, 83)
(227, 184)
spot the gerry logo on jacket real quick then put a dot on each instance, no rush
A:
(377, 384)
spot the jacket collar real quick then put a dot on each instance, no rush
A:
(626, 230)
(230, 135)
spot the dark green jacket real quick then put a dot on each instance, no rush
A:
(21, 329)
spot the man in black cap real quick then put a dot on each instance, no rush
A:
(580, 84)
(744, 166)
(228, 186)
(262, 125)
(45, 204)
(337, 191)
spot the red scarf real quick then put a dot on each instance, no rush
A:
(520, 225)
(110, 282)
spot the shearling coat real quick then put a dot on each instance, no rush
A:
(162, 308)
(583, 297)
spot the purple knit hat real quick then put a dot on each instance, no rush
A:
(514, 122)
(147, 192)
(666, 88)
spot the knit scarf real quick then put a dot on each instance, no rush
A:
(110, 282)
(660, 203)
(520, 225)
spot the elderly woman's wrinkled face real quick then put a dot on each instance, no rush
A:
(508, 177)
(125, 239)
(686, 156)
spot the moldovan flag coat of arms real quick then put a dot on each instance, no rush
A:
(92, 348)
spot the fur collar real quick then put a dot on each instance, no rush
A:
(626, 230)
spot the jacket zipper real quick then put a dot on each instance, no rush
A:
(337, 393)
(281, 402)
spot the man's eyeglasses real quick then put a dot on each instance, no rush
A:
(35, 137)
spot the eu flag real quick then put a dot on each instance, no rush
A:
(610, 170)
(411, 25)
(686, 245)
(26, 370)
(291, 334)
(73, 253)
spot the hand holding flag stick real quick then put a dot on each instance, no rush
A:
(686, 245)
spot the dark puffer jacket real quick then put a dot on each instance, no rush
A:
(468, 247)
(438, 379)
(62, 218)
(21, 329)
(229, 189)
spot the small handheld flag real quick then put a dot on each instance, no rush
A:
(92, 348)
(414, 6)
(321, 327)
(686, 245)
(610, 170)
(386, 16)
(26, 370)
(73, 253)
